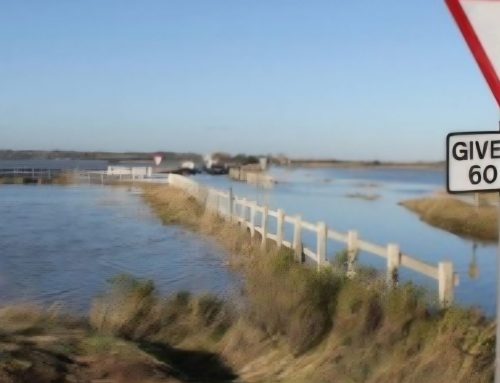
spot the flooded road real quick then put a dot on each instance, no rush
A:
(60, 244)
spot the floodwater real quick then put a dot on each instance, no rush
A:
(60, 244)
(322, 195)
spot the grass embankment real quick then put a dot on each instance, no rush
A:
(457, 217)
(302, 326)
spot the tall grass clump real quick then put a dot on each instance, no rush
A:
(132, 309)
(290, 300)
(129, 309)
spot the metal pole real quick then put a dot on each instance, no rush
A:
(497, 339)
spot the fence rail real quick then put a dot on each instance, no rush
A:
(245, 211)
(30, 173)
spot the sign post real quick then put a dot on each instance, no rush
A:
(473, 159)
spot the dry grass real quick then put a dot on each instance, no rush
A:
(128, 310)
(131, 309)
(299, 326)
(302, 326)
(287, 300)
(457, 217)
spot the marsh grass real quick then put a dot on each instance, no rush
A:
(456, 216)
(133, 310)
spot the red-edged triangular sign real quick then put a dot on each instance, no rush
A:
(479, 21)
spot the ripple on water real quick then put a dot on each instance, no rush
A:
(62, 244)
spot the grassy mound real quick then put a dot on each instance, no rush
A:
(457, 217)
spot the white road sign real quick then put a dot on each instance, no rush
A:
(473, 161)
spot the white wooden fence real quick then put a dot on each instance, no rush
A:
(245, 212)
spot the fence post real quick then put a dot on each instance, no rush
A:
(217, 207)
(321, 244)
(393, 263)
(352, 252)
(280, 218)
(221, 205)
(243, 211)
(265, 211)
(297, 239)
(230, 199)
(446, 283)
(252, 218)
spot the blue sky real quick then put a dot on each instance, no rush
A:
(363, 79)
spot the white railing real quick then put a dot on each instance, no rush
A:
(30, 172)
(102, 177)
(244, 212)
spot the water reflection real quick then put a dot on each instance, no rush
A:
(473, 266)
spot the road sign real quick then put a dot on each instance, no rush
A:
(157, 158)
(479, 22)
(473, 162)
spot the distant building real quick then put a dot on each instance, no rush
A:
(188, 165)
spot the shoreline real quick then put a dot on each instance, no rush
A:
(313, 164)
